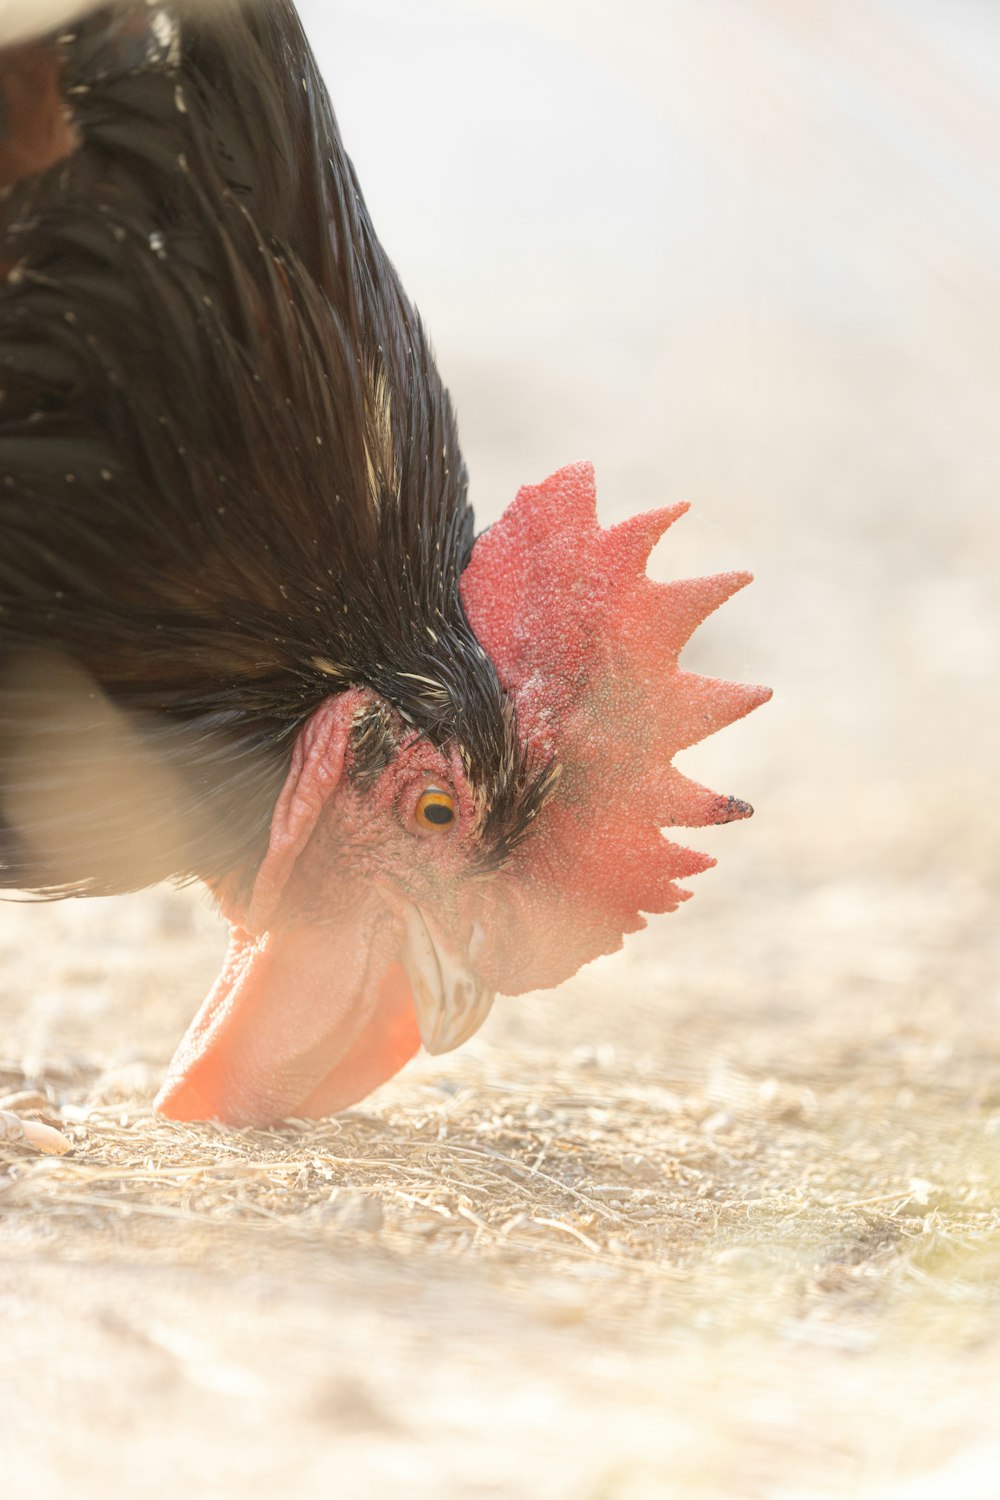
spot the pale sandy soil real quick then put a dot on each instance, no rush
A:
(722, 1217)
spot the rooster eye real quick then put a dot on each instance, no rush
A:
(435, 812)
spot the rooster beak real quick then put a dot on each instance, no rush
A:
(450, 1000)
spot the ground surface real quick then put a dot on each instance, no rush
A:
(722, 1217)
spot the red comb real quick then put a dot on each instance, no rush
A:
(587, 646)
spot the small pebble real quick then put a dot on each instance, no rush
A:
(32, 1133)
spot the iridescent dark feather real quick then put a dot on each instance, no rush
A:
(230, 480)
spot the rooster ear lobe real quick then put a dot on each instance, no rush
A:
(314, 775)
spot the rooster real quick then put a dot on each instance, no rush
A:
(248, 635)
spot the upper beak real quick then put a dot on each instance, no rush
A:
(450, 1000)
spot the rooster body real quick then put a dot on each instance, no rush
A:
(247, 635)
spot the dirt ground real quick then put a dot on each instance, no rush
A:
(721, 1217)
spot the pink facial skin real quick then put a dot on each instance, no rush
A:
(312, 1009)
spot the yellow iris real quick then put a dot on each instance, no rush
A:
(435, 811)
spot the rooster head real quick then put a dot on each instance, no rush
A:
(409, 879)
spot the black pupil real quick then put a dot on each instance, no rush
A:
(438, 812)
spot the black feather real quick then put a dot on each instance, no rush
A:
(230, 478)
